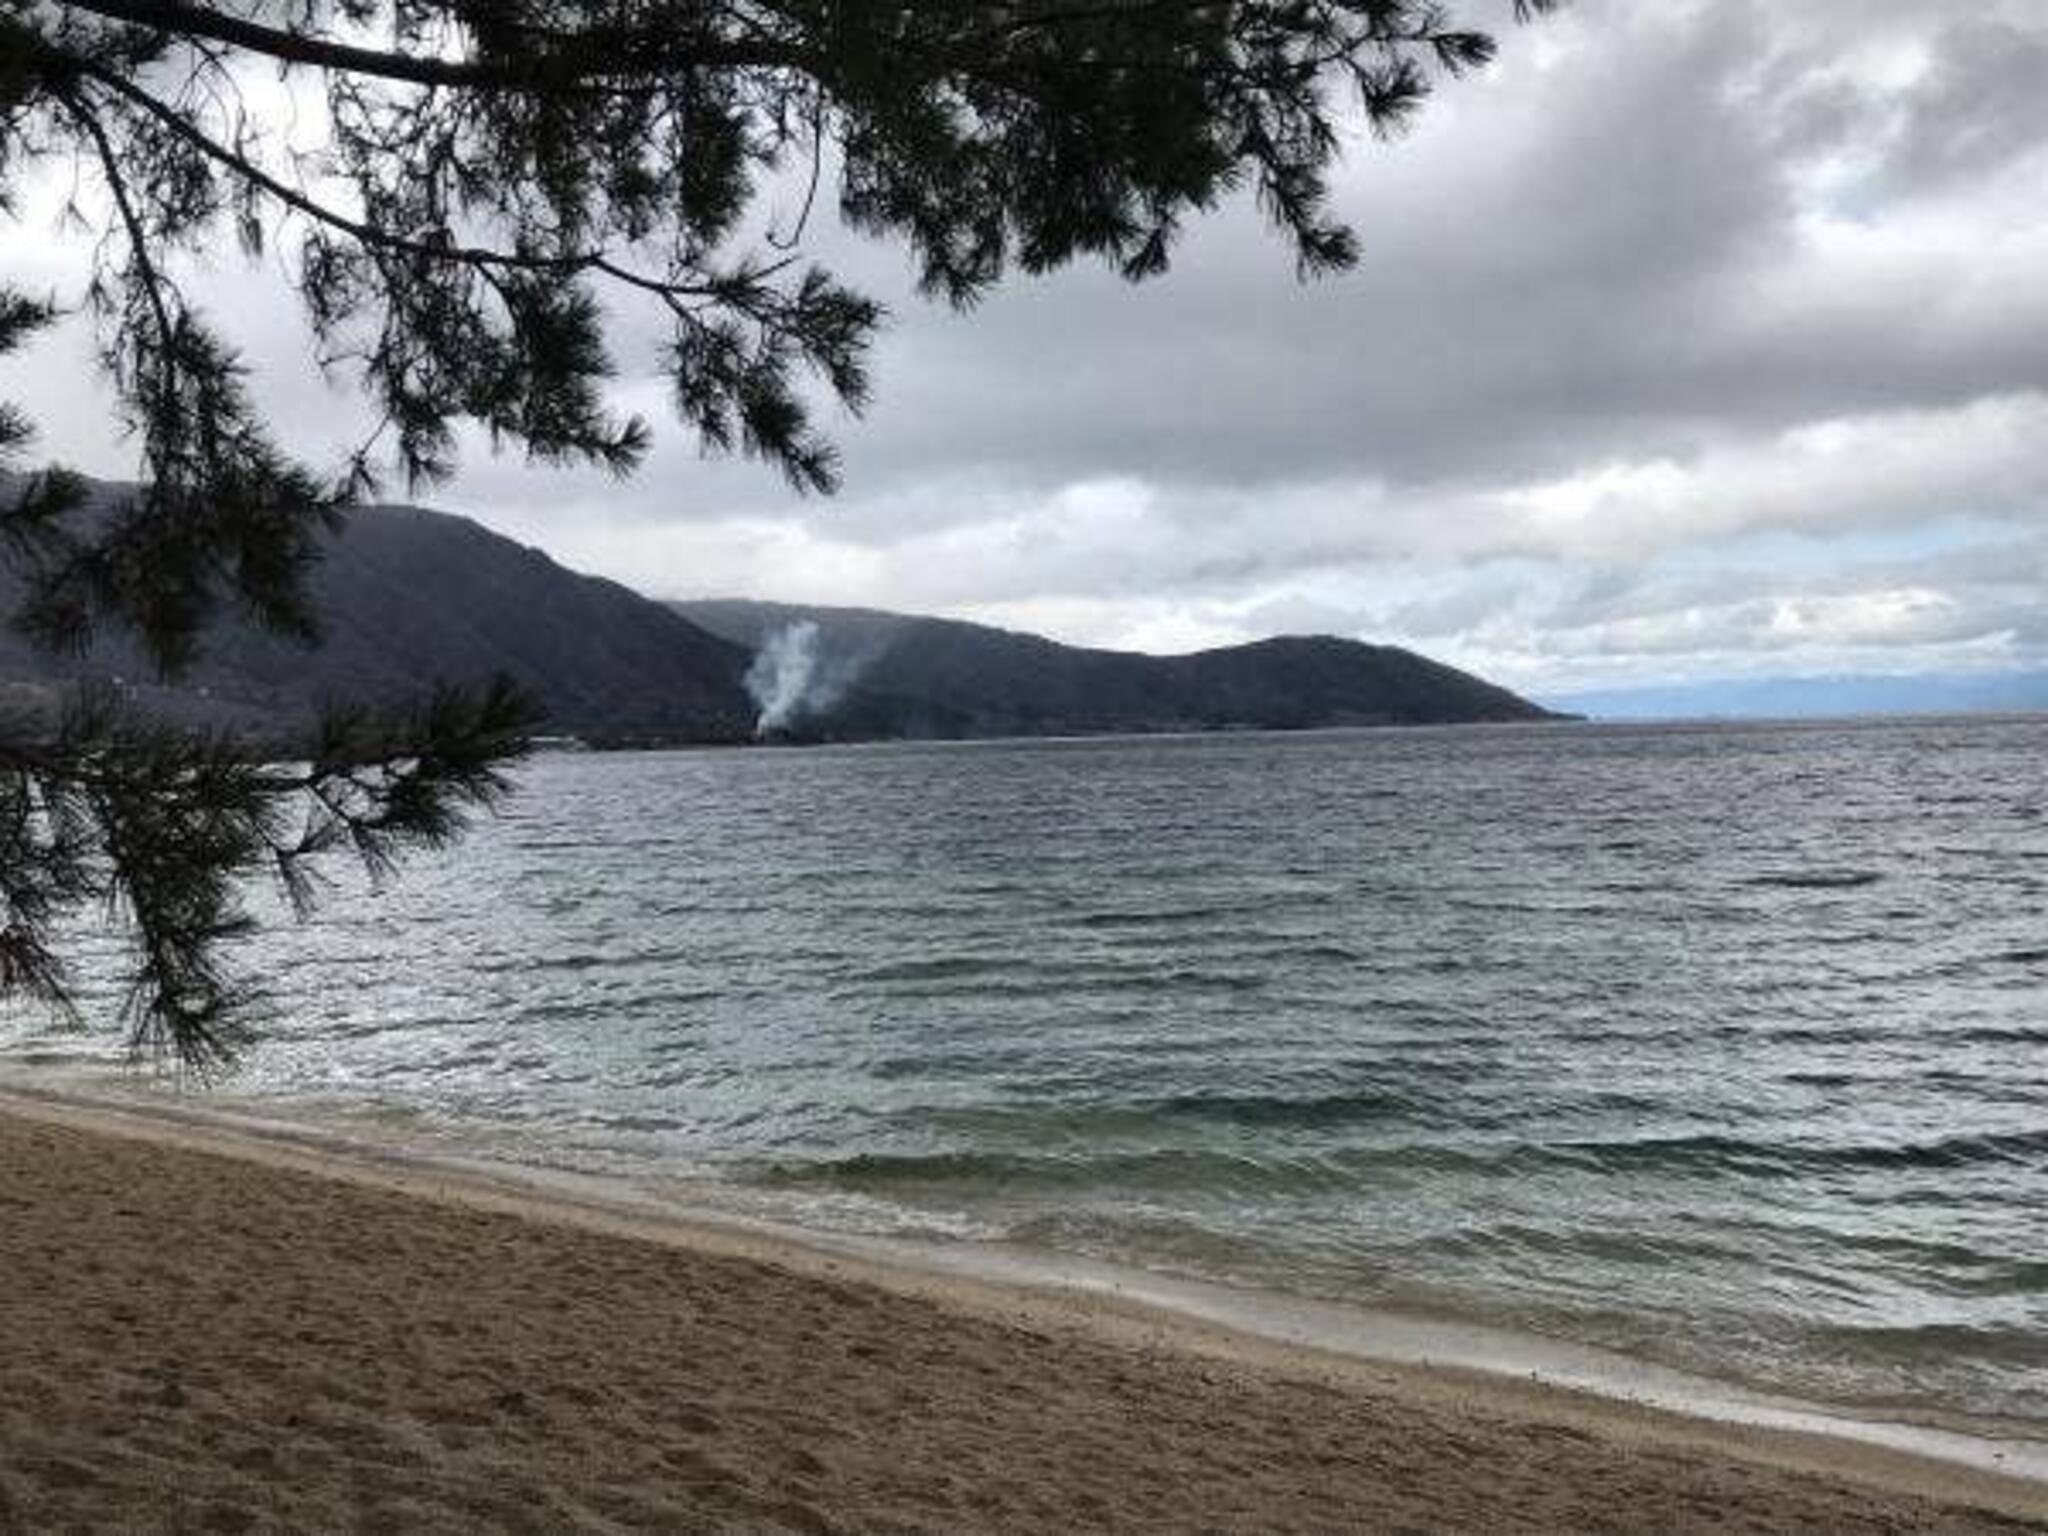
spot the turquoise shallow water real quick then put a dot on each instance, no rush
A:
(1722, 1046)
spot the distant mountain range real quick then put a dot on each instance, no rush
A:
(853, 673)
(1789, 698)
(409, 597)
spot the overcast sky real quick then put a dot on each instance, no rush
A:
(1699, 339)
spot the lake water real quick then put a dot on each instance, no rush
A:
(1726, 1047)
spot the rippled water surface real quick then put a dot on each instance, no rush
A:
(1727, 1046)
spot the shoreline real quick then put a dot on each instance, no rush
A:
(1364, 1332)
(1162, 1324)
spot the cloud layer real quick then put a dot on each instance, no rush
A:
(1698, 339)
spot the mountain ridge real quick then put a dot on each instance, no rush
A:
(409, 596)
(885, 673)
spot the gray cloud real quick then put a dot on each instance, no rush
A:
(1977, 108)
(1672, 280)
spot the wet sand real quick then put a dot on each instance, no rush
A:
(201, 1330)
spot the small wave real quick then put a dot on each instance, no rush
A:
(1853, 938)
(636, 1123)
(1810, 1034)
(939, 1065)
(971, 1172)
(521, 964)
(1943, 1342)
(1947, 1266)
(1719, 1153)
(1221, 1171)
(982, 979)
(1610, 1246)
(1997, 1034)
(1817, 879)
(936, 968)
(1166, 918)
(1280, 1110)
(56, 1056)
(1314, 954)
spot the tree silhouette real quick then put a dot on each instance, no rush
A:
(492, 174)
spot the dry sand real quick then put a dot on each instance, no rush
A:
(200, 1331)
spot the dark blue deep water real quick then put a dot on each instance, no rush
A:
(1725, 1046)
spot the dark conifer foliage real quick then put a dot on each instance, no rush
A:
(495, 175)
(165, 827)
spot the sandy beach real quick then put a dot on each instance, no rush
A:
(210, 1331)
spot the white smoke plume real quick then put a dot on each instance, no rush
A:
(789, 678)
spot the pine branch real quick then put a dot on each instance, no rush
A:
(595, 55)
(439, 251)
(167, 827)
